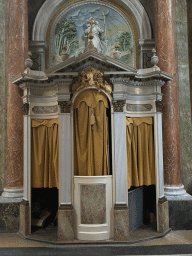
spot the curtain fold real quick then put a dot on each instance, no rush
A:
(140, 151)
(44, 153)
(90, 141)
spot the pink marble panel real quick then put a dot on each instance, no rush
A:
(93, 204)
(65, 223)
(121, 224)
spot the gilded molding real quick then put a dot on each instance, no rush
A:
(118, 105)
(25, 108)
(65, 106)
(91, 77)
(159, 105)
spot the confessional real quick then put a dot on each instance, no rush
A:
(93, 136)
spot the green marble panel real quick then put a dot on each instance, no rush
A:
(184, 93)
(2, 92)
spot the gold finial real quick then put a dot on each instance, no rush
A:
(91, 22)
(154, 51)
(64, 47)
(117, 46)
(29, 55)
(154, 58)
(64, 54)
(28, 61)
(90, 36)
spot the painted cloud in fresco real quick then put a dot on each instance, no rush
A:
(71, 30)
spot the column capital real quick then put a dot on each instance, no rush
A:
(65, 106)
(25, 108)
(118, 105)
(159, 105)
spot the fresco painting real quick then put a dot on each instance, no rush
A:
(109, 28)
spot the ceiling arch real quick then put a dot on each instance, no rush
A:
(50, 7)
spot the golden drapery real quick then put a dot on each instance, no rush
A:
(140, 151)
(90, 141)
(44, 153)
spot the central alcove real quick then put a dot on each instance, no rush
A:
(92, 155)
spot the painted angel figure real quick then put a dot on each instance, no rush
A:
(94, 28)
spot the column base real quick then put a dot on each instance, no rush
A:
(174, 191)
(180, 208)
(13, 193)
(121, 223)
(66, 223)
(24, 226)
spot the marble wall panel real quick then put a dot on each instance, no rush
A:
(2, 92)
(93, 204)
(184, 92)
(9, 217)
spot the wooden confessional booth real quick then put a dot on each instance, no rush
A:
(93, 132)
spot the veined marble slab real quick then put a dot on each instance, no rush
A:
(93, 204)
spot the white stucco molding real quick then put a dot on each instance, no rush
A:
(50, 7)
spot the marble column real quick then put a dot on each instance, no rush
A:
(65, 212)
(189, 26)
(16, 53)
(166, 51)
(121, 214)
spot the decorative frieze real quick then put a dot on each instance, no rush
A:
(154, 82)
(159, 106)
(138, 107)
(45, 109)
(25, 108)
(65, 106)
(118, 105)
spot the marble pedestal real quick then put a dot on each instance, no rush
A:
(66, 223)
(9, 215)
(24, 227)
(121, 223)
(180, 212)
(163, 212)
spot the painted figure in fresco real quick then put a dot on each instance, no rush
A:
(97, 40)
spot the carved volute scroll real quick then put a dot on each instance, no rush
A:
(25, 108)
(159, 105)
(118, 105)
(91, 78)
(65, 106)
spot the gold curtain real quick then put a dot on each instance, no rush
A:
(90, 141)
(140, 151)
(44, 153)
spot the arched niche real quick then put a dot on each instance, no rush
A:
(51, 7)
(131, 11)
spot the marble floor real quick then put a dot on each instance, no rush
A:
(172, 238)
(49, 234)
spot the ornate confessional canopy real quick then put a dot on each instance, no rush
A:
(91, 78)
